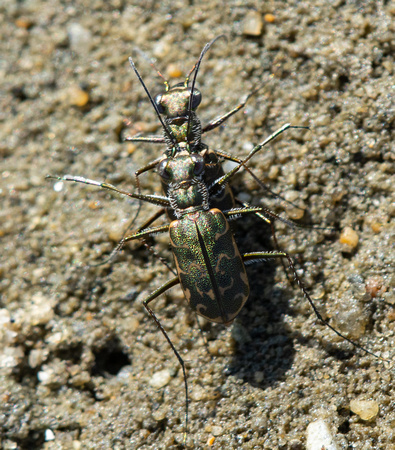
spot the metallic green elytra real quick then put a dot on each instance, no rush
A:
(209, 265)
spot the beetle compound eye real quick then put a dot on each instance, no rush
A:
(212, 157)
(163, 170)
(199, 164)
(196, 99)
(158, 103)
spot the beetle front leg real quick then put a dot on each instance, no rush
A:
(225, 179)
(220, 120)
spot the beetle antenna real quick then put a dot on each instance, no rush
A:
(151, 62)
(168, 131)
(196, 69)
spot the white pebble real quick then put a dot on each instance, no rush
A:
(45, 376)
(253, 24)
(319, 436)
(80, 38)
(49, 435)
(36, 357)
(41, 310)
(58, 186)
(216, 431)
(5, 317)
(160, 379)
(10, 357)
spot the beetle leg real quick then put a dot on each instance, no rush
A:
(220, 120)
(152, 139)
(261, 256)
(158, 200)
(147, 232)
(223, 180)
(120, 244)
(274, 236)
(154, 295)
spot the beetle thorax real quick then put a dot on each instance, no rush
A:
(188, 196)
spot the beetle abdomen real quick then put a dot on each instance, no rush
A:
(209, 264)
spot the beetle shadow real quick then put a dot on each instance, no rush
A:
(264, 348)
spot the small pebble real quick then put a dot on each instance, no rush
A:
(269, 18)
(45, 376)
(41, 310)
(160, 379)
(295, 213)
(376, 226)
(214, 348)
(210, 441)
(365, 409)
(49, 435)
(351, 317)
(24, 22)
(198, 393)
(292, 196)
(274, 172)
(373, 285)
(36, 357)
(80, 38)
(10, 357)
(77, 96)
(81, 379)
(94, 204)
(252, 24)
(160, 414)
(173, 71)
(144, 433)
(349, 237)
(130, 148)
(320, 437)
(58, 186)
(217, 431)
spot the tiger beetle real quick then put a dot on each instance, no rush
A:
(210, 268)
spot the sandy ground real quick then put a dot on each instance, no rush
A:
(82, 364)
